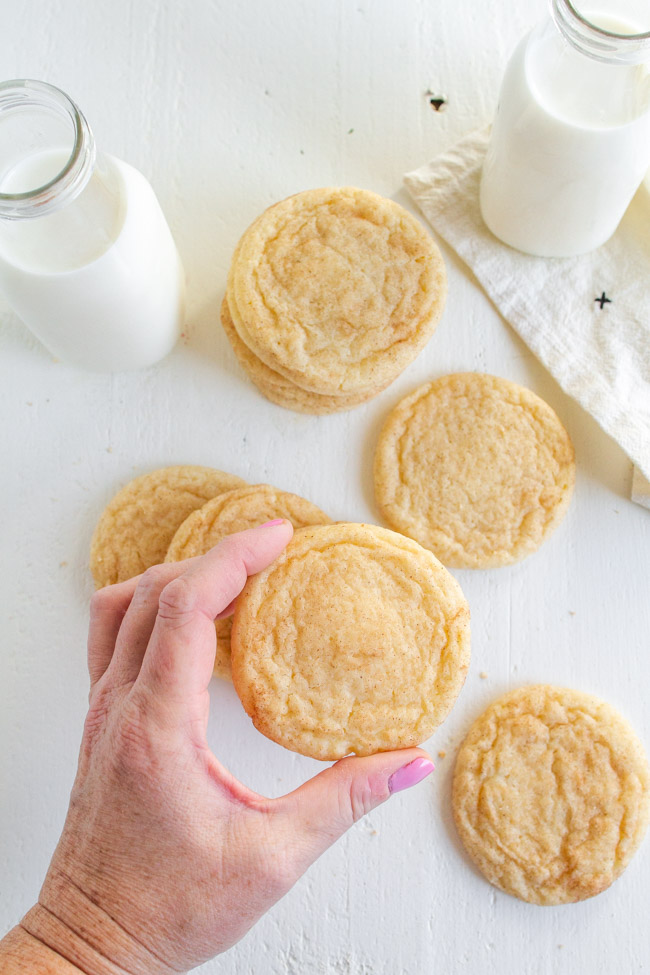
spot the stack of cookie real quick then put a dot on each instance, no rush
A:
(331, 294)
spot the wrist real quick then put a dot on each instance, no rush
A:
(68, 923)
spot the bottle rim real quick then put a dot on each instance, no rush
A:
(26, 93)
(598, 42)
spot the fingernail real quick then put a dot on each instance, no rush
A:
(410, 774)
(270, 524)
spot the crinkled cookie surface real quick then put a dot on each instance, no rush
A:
(355, 640)
(551, 794)
(476, 468)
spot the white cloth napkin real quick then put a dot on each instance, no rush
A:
(600, 356)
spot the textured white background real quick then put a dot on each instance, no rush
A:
(228, 107)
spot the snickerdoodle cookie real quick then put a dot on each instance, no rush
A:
(476, 468)
(337, 289)
(355, 640)
(551, 794)
(138, 524)
(280, 390)
(235, 511)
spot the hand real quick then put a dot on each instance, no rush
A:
(165, 859)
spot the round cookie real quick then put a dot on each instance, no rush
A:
(476, 468)
(279, 390)
(551, 794)
(235, 511)
(337, 289)
(138, 524)
(355, 640)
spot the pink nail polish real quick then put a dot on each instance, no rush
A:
(270, 524)
(410, 774)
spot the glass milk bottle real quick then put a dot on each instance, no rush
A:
(571, 139)
(86, 257)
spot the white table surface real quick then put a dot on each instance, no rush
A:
(228, 107)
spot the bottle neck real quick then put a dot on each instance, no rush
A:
(613, 36)
(47, 150)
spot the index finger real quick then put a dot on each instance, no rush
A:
(179, 658)
(108, 608)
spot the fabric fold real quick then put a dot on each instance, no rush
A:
(586, 318)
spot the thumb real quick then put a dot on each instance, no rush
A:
(322, 809)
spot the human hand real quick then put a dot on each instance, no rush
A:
(165, 858)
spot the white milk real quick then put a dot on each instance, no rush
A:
(98, 281)
(569, 146)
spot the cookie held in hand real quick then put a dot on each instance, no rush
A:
(355, 640)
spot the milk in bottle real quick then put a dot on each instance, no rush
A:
(86, 257)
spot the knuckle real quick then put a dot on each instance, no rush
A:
(102, 702)
(152, 579)
(357, 799)
(176, 599)
(94, 723)
(133, 744)
(101, 601)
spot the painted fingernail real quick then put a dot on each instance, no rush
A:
(270, 524)
(410, 774)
